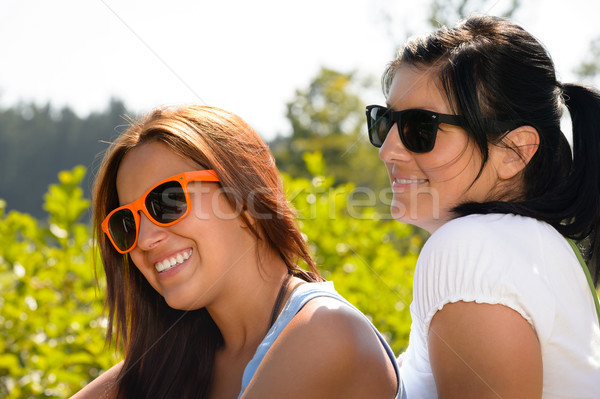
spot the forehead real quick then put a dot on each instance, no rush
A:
(414, 87)
(144, 166)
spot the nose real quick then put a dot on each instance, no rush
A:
(392, 148)
(149, 235)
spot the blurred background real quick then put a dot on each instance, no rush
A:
(70, 70)
(299, 72)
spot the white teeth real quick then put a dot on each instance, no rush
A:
(167, 264)
(410, 181)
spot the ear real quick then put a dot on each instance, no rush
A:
(516, 150)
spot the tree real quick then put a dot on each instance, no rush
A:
(448, 12)
(38, 142)
(329, 117)
(590, 67)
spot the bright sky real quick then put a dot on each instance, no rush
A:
(245, 56)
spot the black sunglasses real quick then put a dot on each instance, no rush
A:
(417, 127)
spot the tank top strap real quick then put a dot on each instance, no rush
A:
(300, 297)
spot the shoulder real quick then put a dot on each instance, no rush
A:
(317, 309)
(489, 241)
(510, 244)
(322, 311)
(327, 320)
(328, 349)
(502, 230)
(496, 259)
(105, 386)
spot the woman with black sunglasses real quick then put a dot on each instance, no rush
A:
(201, 250)
(503, 304)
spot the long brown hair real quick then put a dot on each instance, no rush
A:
(169, 352)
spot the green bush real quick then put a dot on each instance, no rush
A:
(369, 257)
(52, 325)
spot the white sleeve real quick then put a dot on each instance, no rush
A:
(494, 259)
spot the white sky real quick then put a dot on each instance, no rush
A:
(247, 56)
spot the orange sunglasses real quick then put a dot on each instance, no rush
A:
(166, 203)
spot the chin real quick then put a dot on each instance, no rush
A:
(410, 216)
(185, 304)
(398, 210)
(402, 213)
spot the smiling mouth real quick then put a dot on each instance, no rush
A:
(173, 261)
(410, 181)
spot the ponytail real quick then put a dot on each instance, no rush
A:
(564, 193)
(583, 182)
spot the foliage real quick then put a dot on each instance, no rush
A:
(369, 257)
(51, 325)
(329, 117)
(51, 329)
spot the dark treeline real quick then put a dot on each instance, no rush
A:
(328, 116)
(36, 142)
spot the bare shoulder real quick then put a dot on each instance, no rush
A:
(103, 387)
(330, 319)
(328, 350)
(481, 350)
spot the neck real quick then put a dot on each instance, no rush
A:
(244, 311)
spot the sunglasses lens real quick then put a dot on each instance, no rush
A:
(167, 202)
(379, 125)
(122, 229)
(418, 131)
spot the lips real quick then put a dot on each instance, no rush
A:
(409, 181)
(173, 261)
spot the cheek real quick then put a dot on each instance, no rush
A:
(451, 147)
(137, 258)
(209, 205)
(147, 270)
(457, 164)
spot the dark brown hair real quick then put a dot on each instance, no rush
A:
(169, 353)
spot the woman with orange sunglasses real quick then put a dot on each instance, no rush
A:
(204, 291)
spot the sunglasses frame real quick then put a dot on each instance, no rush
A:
(134, 207)
(396, 118)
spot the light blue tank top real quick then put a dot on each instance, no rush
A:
(299, 297)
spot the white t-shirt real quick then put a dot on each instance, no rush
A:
(521, 263)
